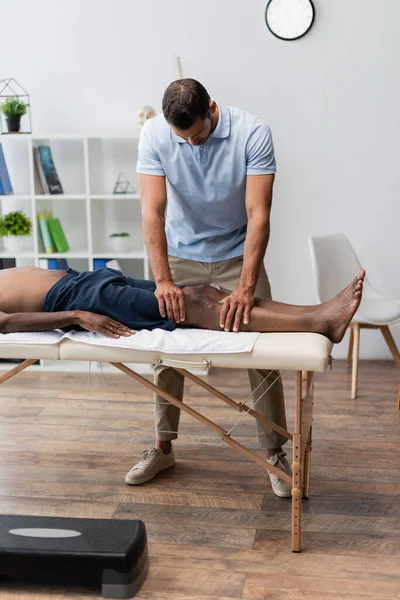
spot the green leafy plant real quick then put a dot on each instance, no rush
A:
(15, 223)
(13, 107)
(123, 234)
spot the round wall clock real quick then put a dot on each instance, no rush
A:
(289, 19)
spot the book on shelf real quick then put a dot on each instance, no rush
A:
(54, 264)
(37, 181)
(52, 233)
(6, 187)
(47, 172)
(57, 234)
(48, 244)
(101, 263)
(7, 263)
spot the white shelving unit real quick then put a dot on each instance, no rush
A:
(88, 168)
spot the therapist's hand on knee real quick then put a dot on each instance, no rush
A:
(171, 301)
(236, 309)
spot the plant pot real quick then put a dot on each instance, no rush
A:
(14, 243)
(120, 244)
(13, 124)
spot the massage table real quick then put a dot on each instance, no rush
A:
(303, 353)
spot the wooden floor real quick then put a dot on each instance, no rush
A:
(215, 529)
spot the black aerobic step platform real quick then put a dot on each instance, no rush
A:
(100, 552)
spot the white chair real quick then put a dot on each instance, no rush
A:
(334, 264)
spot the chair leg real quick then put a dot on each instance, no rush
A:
(351, 343)
(356, 353)
(391, 343)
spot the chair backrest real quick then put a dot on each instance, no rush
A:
(334, 264)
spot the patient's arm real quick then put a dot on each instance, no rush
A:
(10, 323)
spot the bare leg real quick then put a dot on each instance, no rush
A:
(330, 318)
(211, 293)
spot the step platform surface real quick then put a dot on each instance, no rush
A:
(102, 552)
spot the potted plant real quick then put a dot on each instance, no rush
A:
(13, 108)
(120, 242)
(14, 227)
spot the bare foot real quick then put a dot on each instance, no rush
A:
(338, 312)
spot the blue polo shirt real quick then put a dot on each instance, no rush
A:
(206, 216)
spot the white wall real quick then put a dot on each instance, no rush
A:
(331, 98)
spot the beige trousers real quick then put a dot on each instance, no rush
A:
(226, 275)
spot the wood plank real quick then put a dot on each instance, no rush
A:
(185, 582)
(257, 587)
(257, 519)
(384, 506)
(56, 508)
(128, 494)
(201, 535)
(281, 562)
(348, 544)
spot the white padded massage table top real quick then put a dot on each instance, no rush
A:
(286, 351)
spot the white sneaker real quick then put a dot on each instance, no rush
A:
(153, 461)
(279, 486)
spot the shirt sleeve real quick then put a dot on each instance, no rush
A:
(148, 162)
(260, 154)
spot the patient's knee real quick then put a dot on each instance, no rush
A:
(202, 312)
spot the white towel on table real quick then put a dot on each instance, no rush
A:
(180, 341)
(33, 337)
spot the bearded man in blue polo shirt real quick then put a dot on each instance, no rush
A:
(216, 166)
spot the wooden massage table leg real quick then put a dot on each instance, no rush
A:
(301, 451)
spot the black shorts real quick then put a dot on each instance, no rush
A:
(108, 292)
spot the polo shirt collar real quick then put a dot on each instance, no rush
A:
(223, 127)
(221, 131)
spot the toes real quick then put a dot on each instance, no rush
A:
(360, 276)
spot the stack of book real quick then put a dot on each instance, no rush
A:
(5, 183)
(52, 233)
(47, 172)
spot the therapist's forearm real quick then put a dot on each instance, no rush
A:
(254, 251)
(157, 249)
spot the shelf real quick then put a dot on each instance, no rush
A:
(15, 197)
(15, 136)
(69, 254)
(27, 254)
(140, 254)
(72, 136)
(115, 197)
(60, 197)
(76, 136)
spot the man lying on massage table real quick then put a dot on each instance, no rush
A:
(107, 302)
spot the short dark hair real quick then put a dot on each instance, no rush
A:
(184, 100)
